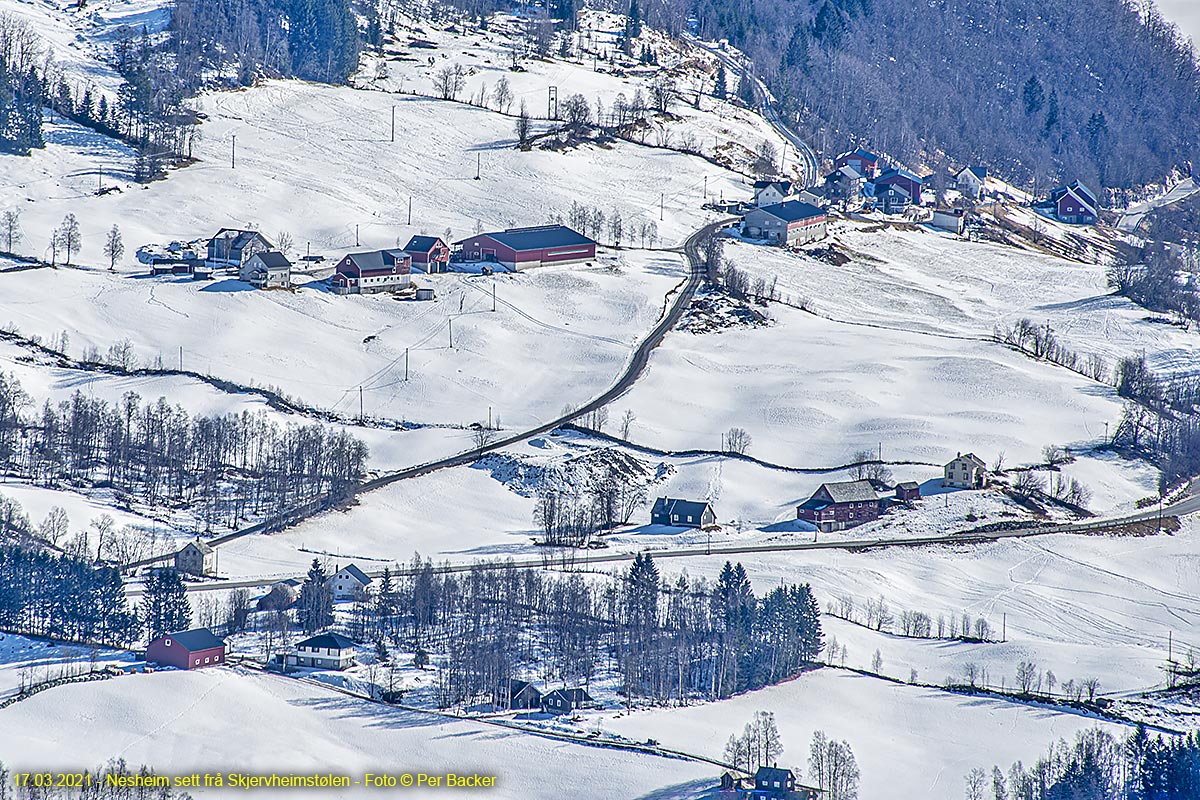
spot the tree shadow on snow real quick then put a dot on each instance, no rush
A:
(688, 790)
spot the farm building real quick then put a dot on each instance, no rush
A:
(908, 491)
(196, 558)
(231, 247)
(268, 269)
(429, 253)
(890, 199)
(840, 505)
(348, 582)
(524, 248)
(863, 161)
(966, 471)
(844, 183)
(768, 192)
(192, 649)
(787, 223)
(372, 271)
(682, 513)
(324, 651)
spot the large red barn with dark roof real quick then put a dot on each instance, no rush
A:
(192, 649)
(522, 248)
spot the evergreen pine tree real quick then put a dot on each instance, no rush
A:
(721, 84)
(165, 607)
(315, 605)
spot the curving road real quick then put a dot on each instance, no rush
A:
(767, 106)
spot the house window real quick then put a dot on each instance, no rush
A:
(217, 657)
(206, 659)
(167, 642)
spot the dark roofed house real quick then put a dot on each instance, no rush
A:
(969, 181)
(231, 247)
(429, 253)
(770, 192)
(908, 491)
(196, 558)
(192, 649)
(524, 248)
(908, 181)
(348, 582)
(324, 651)
(1074, 204)
(788, 223)
(372, 271)
(840, 505)
(564, 701)
(965, 471)
(521, 695)
(267, 269)
(863, 161)
(682, 513)
(890, 198)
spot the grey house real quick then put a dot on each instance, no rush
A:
(269, 269)
(231, 247)
(196, 558)
(682, 513)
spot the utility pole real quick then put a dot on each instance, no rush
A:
(477, 158)
(450, 322)
(233, 153)
(662, 200)
(706, 187)
(493, 293)
(99, 179)
(360, 404)
(181, 359)
(410, 209)
(356, 234)
(1004, 628)
(393, 123)
(489, 418)
(406, 363)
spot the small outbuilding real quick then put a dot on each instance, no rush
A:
(908, 491)
(949, 219)
(192, 649)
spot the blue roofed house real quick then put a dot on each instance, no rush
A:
(863, 161)
(788, 223)
(682, 513)
(231, 247)
(902, 178)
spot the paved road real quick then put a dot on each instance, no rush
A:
(585, 558)
(1132, 218)
(768, 107)
(633, 370)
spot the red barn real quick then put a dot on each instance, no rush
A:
(428, 253)
(837, 506)
(522, 248)
(192, 649)
(903, 179)
(376, 271)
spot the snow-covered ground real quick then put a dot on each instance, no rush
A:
(227, 720)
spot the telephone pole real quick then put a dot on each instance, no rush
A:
(410, 209)
(356, 234)
(662, 200)
(99, 179)
(393, 123)
(406, 363)
(477, 162)
(360, 404)
(450, 322)
(493, 293)
(233, 152)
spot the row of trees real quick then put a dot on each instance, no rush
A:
(1099, 766)
(667, 640)
(229, 467)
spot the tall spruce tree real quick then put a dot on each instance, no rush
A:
(165, 607)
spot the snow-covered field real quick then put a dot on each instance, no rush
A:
(226, 720)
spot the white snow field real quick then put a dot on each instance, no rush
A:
(909, 742)
(227, 720)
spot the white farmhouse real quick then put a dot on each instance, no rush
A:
(966, 471)
(348, 582)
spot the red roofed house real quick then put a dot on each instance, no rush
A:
(429, 253)
(522, 248)
(376, 271)
(192, 649)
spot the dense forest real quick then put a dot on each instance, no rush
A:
(1099, 766)
(665, 639)
(1102, 90)
(312, 39)
(226, 467)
